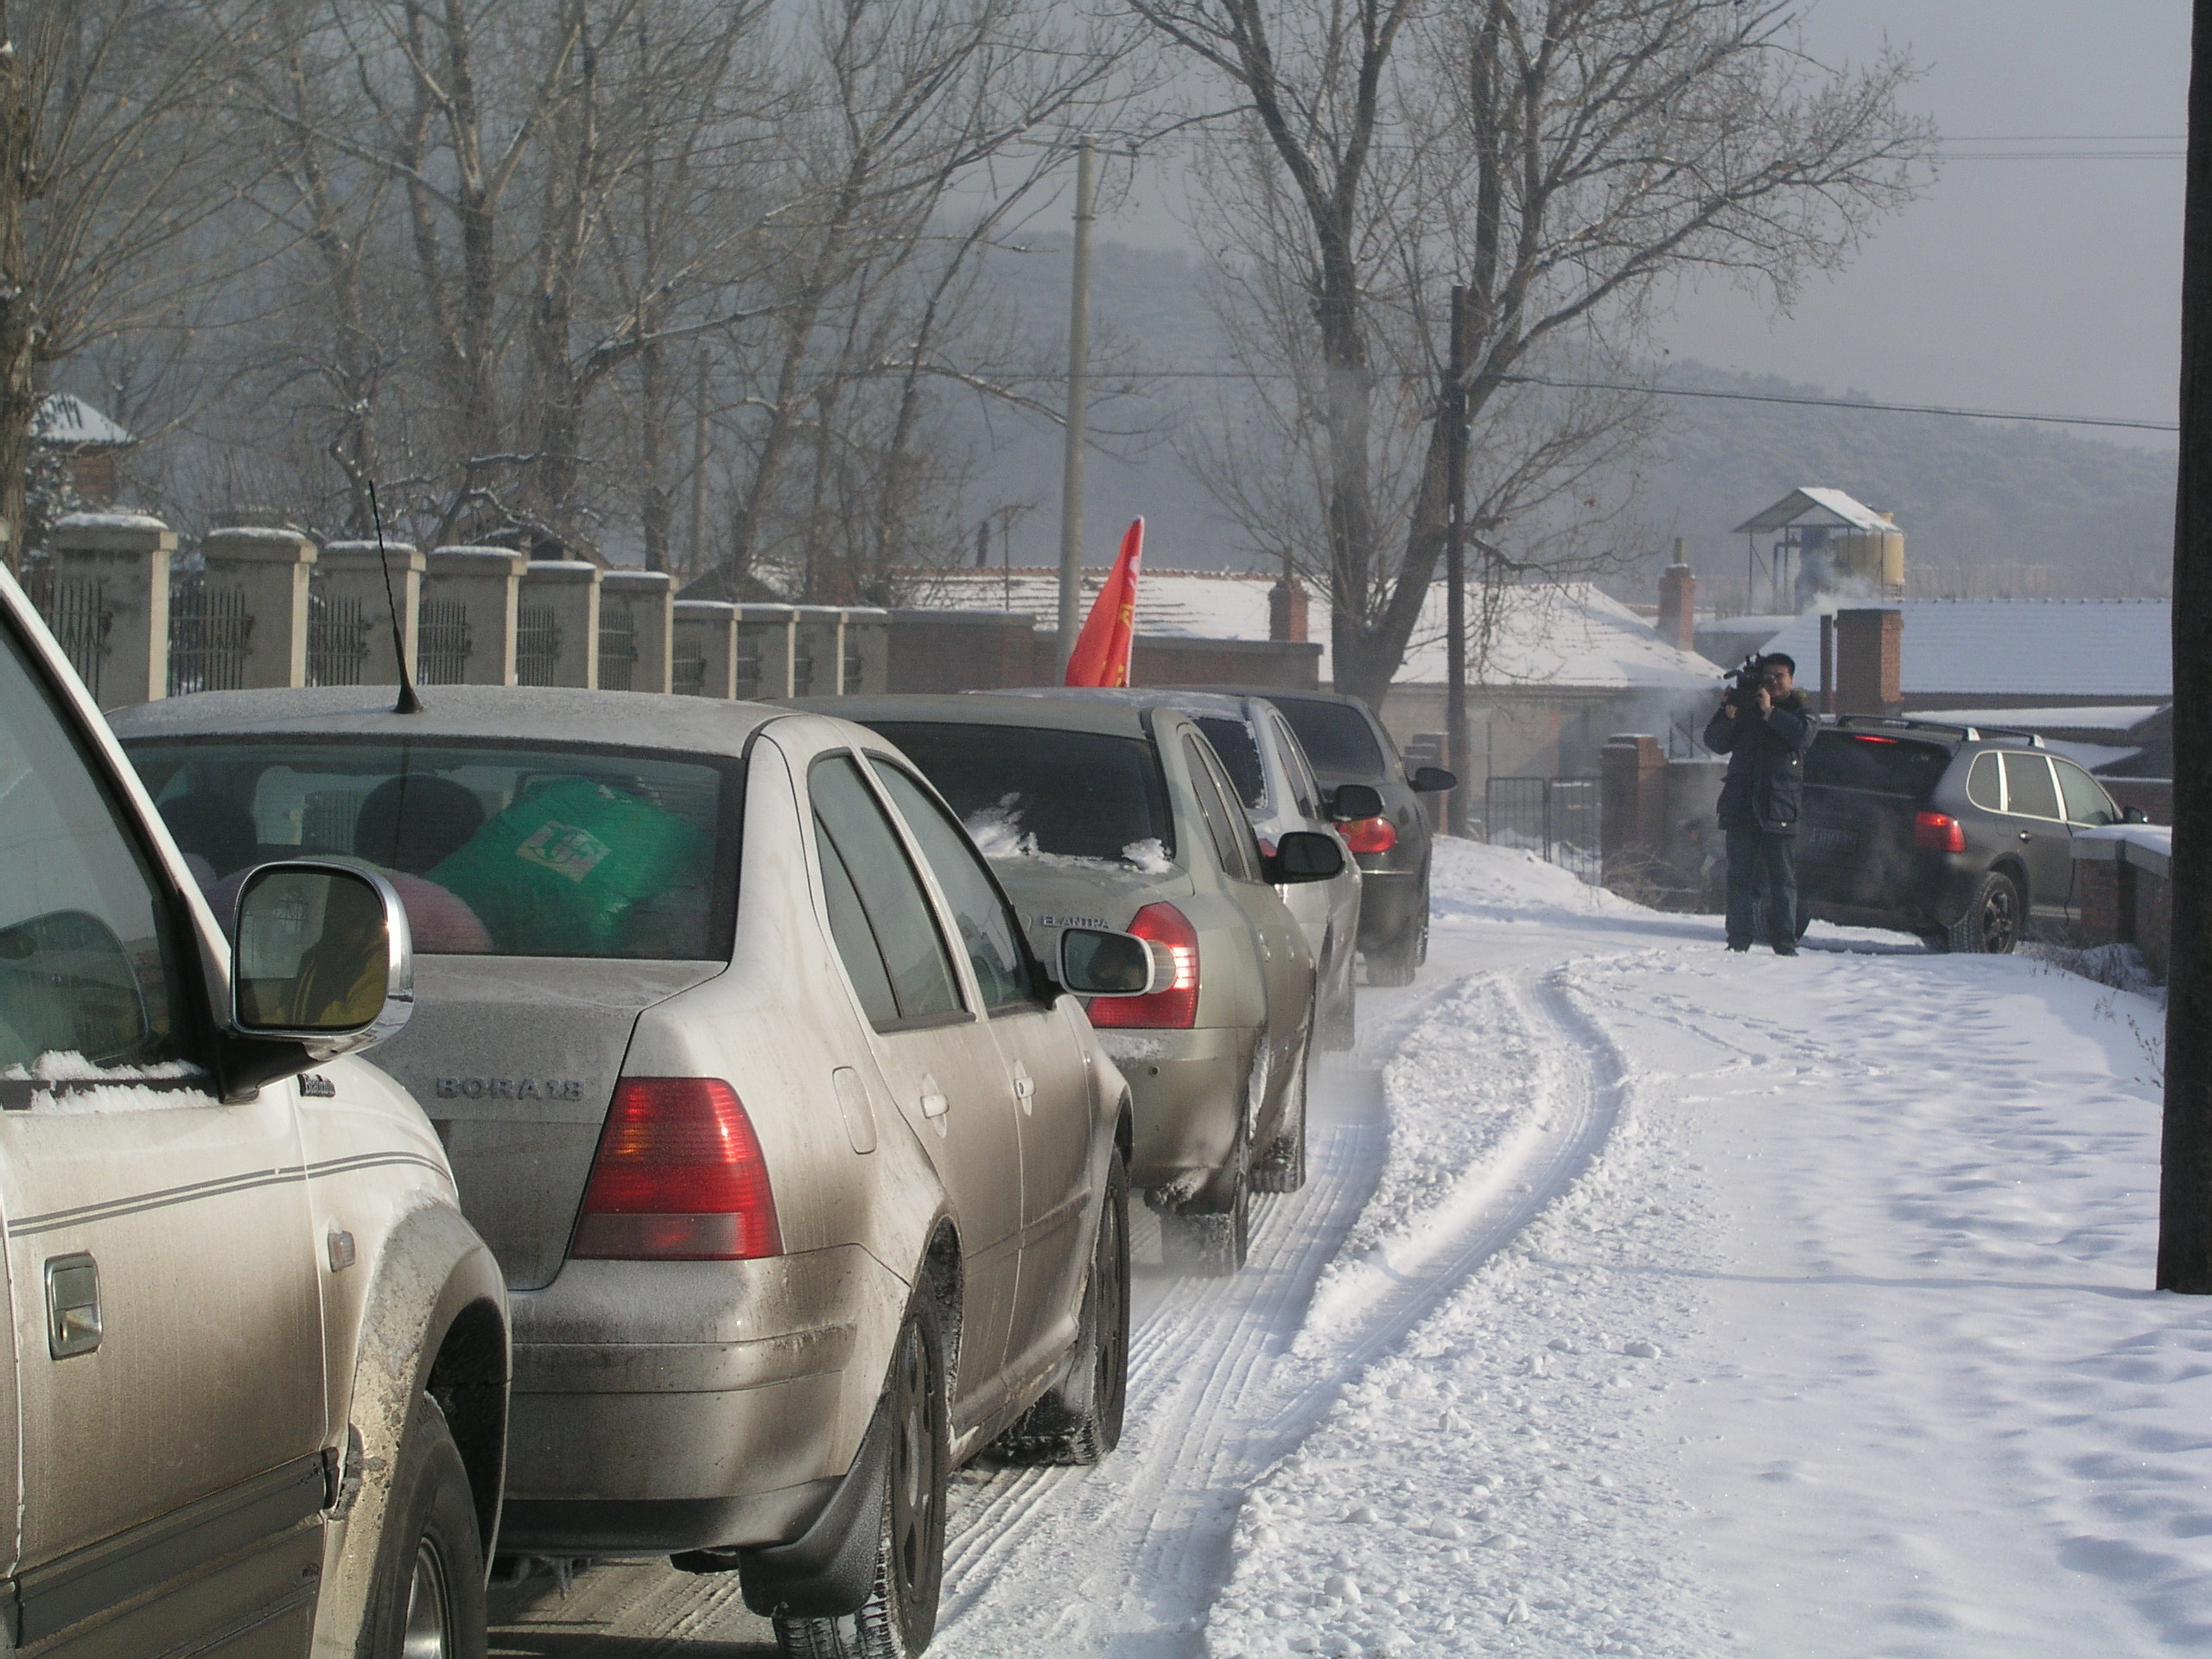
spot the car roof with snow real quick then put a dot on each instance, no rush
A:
(510, 713)
(1054, 713)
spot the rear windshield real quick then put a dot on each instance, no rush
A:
(495, 850)
(1885, 765)
(1024, 792)
(1337, 738)
(1240, 756)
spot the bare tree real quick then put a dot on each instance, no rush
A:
(1563, 158)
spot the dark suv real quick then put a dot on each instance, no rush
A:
(1346, 744)
(1959, 834)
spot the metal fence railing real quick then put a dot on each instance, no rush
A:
(618, 647)
(76, 609)
(1556, 818)
(443, 642)
(208, 630)
(338, 639)
(537, 644)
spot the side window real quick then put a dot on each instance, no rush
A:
(988, 931)
(1984, 788)
(1303, 790)
(2086, 800)
(859, 850)
(2028, 789)
(1232, 838)
(88, 964)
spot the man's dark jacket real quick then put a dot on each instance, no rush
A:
(1765, 786)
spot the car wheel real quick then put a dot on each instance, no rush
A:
(1281, 1166)
(1339, 1028)
(1212, 1243)
(900, 1615)
(1395, 963)
(428, 1600)
(1991, 926)
(1080, 1421)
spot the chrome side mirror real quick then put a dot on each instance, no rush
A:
(323, 958)
(1095, 962)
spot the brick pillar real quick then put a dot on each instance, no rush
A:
(1678, 604)
(273, 568)
(765, 636)
(1869, 662)
(1288, 609)
(705, 653)
(1632, 820)
(111, 599)
(650, 597)
(476, 590)
(556, 624)
(350, 578)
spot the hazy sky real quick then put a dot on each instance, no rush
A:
(2018, 284)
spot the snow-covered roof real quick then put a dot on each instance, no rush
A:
(2053, 648)
(68, 421)
(1817, 508)
(1569, 635)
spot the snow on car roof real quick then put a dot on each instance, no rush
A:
(2054, 648)
(529, 714)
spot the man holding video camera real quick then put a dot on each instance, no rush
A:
(1763, 725)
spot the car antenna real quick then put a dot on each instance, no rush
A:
(409, 704)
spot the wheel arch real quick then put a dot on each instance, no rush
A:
(2012, 866)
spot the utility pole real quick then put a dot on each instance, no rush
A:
(2185, 1165)
(1070, 616)
(1455, 560)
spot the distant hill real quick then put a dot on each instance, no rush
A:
(1989, 508)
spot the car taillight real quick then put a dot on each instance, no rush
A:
(1938, 832)
(1175, 1008)
(1369, 834)
(678, 1178)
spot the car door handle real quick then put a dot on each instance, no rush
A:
(73, 1306)
(934, 1105)
(1024, 1087)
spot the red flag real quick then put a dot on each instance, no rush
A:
(1101, 650)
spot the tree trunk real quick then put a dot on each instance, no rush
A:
(18, 298)
(2186, 1180)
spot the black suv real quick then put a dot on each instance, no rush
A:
(1960, 835)
(1346, 744)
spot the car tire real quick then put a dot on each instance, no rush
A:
(1991, 926)
(1079, 1420)
(900, 1615)
(1339, 1027)
(1281, 1166)
(1212, 1243)
(1397, 962)
(427, 1597)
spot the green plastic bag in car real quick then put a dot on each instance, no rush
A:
(557, 873)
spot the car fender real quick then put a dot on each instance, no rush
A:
(434, 1318)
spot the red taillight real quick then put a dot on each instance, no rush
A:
(1177, 1006)
(1938, 832)
(1369, 834)
(678, 1178)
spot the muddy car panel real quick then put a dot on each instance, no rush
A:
(668, 1405)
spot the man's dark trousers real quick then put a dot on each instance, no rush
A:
(1762, 866)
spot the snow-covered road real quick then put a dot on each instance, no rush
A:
(1642, 1300)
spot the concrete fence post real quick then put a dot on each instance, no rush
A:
(648, 598)
(767, 648)
(350, 579)
(866, 657)
(111, 603)
(556, 624)
(705, 653)
(271, 568)
(466, 634)
(818, 652)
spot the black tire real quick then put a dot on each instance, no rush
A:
(900, 1615)
(427, 1599)
(1212, 1241)
(1397, 962)
(1991, 926)
(1281, 1166)
(1079, 1422)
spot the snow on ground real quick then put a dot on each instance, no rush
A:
(1837, 1342)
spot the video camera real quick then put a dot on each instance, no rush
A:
(1743, 679)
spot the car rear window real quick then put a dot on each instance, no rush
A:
(495, 850)
(1883, 766)
(1336, 737)
(1240, 756)
(1024, 791)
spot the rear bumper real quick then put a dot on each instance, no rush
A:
(1390, 901)
(1185, 1089)
(668, 1406)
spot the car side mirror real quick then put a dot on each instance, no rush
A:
(322, 964)
(2134, 815)
(1352, 802)
(1433, 780)
(1305, 855)
(1097, 962)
